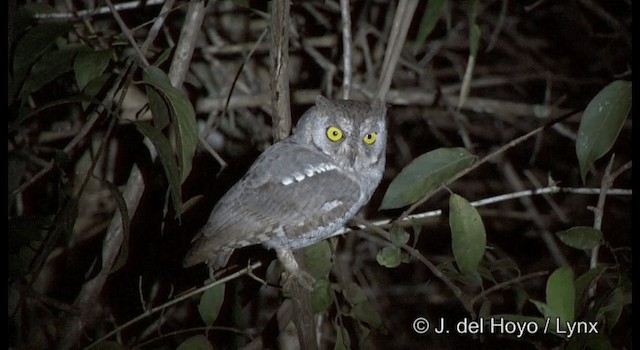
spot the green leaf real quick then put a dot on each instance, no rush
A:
(163, 146)
(197, 342)
(581, 237)
(486, 274)
(598, 341)
(601, 123)
(89, 65)
(121, 204)
(468, 236)
(485, 309)
(399, 236)
(322, 296)
(182, 115)
(474, 29)
(317, 259)
(543, 308)
(582, 284)
(417, 229)
(366, 313)
(520, 298)
(343, 342)
(29, 48)
(620, 297)
(93, 87)
(163, 57)
(561, 294)
(354, 294)
(474, 40)
(424, 174)
(505, 265)
(389, 257)
(429, 19)
(160, 109)
(450, 271)
(52, 65)
(210, 303)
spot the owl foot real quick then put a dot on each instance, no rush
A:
(295, 279)
(293, 276)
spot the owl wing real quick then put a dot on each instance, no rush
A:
(292, 196)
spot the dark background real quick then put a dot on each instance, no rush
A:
(553, 53)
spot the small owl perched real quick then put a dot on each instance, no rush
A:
(302, 189)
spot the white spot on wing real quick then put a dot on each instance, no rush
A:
(299, 177)
(331, 205)
(307, 172)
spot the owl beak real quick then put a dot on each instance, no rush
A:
(352, 159)
(349, 155)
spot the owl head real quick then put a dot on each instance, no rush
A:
(352, 133)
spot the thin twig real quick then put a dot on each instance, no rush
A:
(244, 62)
(143, 303)
(504, 284)
(605, 189)
(157, 25)
(127, 33)
(504, 4)
(552, 203)
(397, 37)
(178, 299)
(325, 41)
(97, 11)
(496, 199)
(598, 212)
(213, 153)
(547, 237)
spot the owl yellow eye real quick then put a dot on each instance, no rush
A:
(334, 134)
(370, 138)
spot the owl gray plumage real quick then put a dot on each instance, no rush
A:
(302, 189)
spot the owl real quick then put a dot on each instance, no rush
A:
(302, 189)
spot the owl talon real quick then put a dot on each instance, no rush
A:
(292, 279)
(293, 275)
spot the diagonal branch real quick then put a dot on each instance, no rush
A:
(401, 23)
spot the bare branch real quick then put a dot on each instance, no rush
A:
(401, 23)
(346, 48)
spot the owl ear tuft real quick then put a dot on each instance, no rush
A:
(378, 105)
(322, 102)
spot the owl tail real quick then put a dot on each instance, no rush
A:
(216, 262)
